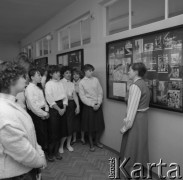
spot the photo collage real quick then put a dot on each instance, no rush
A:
(120, 58)
(73, 59)
(161, 52)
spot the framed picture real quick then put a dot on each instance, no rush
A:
(41, 62)
(162, 53)
(74, 59)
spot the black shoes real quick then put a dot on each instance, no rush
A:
(50, 158)
(73, 142)
(99, 145)
(58, 156)
(92, 149)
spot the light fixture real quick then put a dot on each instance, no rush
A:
(49, 37)
(29, 47)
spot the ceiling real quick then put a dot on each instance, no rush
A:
(18, 18)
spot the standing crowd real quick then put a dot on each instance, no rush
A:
(42, 113)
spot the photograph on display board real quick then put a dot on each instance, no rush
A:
(138, 50)
(128, 48)
(163, 63)
(118, 67)
(63, 60)
(138, 47)
(73, 59)
(162, 89)
(158, 45)
(174, 98)
(41, 62)
(175, 73)
(169, 40)
(175, 59)
(161, 52)
(120, 72)
(150, 63)
(178, 44)
(148, 47)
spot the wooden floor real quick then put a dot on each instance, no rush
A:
(80, 165)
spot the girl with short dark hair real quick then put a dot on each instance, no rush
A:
(91, 94)
(37, 107)
(57, 100)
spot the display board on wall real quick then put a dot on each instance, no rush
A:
(73, 59)
(162, 53)
(41, 62)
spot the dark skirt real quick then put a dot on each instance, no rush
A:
(77, 118)
(70, 112)
(135, 142)
(56, 124)
(77, 123)
(41, 127)
(92, 121)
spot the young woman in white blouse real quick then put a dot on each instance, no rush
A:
(57, 100)
(72, 109)
(91, 94)
(19, 151)
(37, 107)
(77, 76)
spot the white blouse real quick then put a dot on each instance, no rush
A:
(35, 100)
(76, 85)
(19, 151)
(69, 88)
(54, 91)
(20, 97)
(90, 91)
(43, 81)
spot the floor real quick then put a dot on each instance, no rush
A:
(80, 165)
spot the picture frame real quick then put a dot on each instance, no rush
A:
(162, 53)
(41, 62)
(74, 59)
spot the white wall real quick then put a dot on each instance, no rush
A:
(8, 50)
(165, 127)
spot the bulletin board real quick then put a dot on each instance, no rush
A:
(161, 52)
(41, 62)
(73, 59)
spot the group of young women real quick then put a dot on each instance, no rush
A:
(62, 105)
(54, 109)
